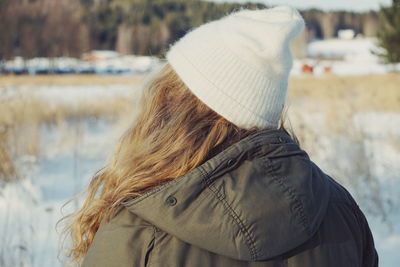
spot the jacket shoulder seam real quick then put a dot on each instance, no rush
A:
(152, 247)
(290, 192)
(250, 243)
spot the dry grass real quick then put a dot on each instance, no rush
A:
(338, 98)
(28, 110)
(367, 92)
(20, 117)
(7, 167)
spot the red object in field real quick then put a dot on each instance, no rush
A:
(327, 69)
(307, 68)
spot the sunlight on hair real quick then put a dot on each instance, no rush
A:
(173, 134)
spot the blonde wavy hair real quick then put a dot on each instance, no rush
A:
(173, 134)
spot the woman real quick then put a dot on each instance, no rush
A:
(208, 176)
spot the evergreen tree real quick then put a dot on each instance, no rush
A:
(389, 35)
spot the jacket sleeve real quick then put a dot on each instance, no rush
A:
(126, 240)
(370, 256)
(343, 239)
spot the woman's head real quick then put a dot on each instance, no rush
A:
(210, 94)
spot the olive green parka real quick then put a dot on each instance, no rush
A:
(260, 202)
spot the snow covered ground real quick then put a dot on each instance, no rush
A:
(99, 62)
(70, 152)
(30, 209)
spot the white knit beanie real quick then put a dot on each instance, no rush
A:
(239, 65)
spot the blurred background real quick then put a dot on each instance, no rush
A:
(72, 72)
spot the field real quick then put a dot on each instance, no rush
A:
(56, 131)
(375, 91)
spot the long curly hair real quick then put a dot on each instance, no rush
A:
(173, 134)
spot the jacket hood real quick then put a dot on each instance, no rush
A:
(258, 199)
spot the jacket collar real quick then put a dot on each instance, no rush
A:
(256, 200)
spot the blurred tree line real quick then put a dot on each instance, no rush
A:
(48, 28)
